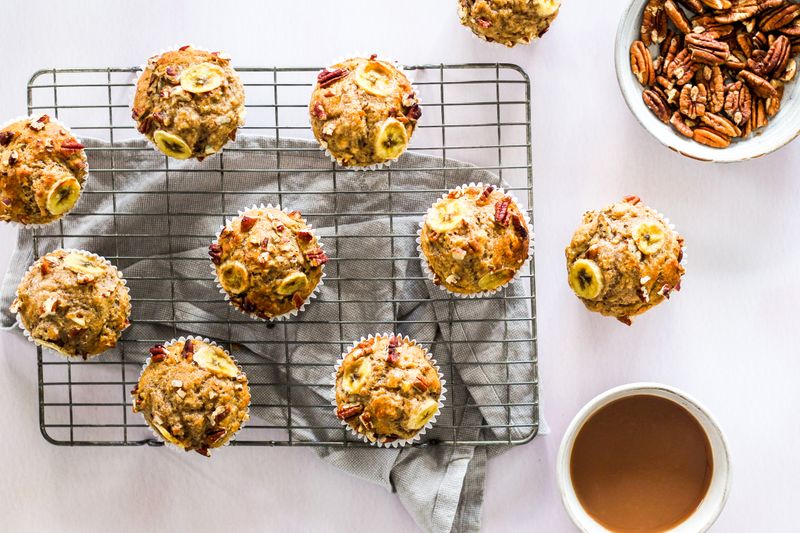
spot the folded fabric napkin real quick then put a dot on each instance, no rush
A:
(374, 284)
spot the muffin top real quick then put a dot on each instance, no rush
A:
(475, 239)
(624, 259)
(189, 102)
(363, 111)
(268, 261)
(508, 22)
(387, 388)
(43, 168)
(73, 302)
(193, 394)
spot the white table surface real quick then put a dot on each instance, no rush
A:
(727, 338)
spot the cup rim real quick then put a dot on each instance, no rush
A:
(563, 474)
(669, 137)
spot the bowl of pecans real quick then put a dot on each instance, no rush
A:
(713, 80)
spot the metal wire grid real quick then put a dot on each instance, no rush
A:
(474, 112)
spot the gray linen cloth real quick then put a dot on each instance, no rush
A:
(441, 486)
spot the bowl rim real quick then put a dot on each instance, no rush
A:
(622, 68)
(563, 476)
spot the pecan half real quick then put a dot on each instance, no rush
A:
(680, 125)
(6, 137)
(247, 223)
(327, 77)
(657, 102)
(716, 89)
(757, 84)
(72, 145)
(705, 48)
(711, 138)
(717, 4)
(642, 64)
(421, 384)
(773, 105)
(739, 11)
(157, 353)
(779, 17)
(683, 67)
(501, 214)
(654, 22)
(677, 17)
(789, 72)
(720, 124)
(347, 412)
(693, 100)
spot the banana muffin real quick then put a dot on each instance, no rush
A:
(475, 239)
(43, 168)
(363, 111)
(268, 262)
(624, 259)
(73, 302)
(508, 22)
(193, 394)
(387, 389)
(189, 102)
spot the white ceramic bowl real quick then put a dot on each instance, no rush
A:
(713, 502)
(782, 129)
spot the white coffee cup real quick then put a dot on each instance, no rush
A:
(712, 504)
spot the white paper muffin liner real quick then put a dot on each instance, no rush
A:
(159, 437)
(289, 314)
(428, 271)
(85, 162)
(375, 166)
(399, 442)
(132, 97)
(57, 349)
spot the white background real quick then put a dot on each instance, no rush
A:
(729, 337)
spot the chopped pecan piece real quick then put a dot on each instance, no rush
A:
(414, 112)
(654, 23)
(519, 226)
(347, 412)
(215, 252)
(317, 257)
(203, 450)
(632, 199)
(214, 435)
(483, 199)
(72, 145)
(717, 4)
(6, 137)
(157, 353)
(642, 64)
(304, 236)
(789, 72)
(657, 102)
(391, 355)
(298, 300)
(188, 349)
(693, 100)
(501, 214)
(711, 138)
(421, 384)
(757, 84)
(318, 110)
(327, 77)
(248, 223)
(13, 157)
(773, 105)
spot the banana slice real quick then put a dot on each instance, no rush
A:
(166, 434)
(375, 78)
(172, 145)
(82, 265)
(586, 279)
(649, 237)
(233, 277)
(421, 414)
(445, 216)
(495, 279)
(391, 140)
(355, 376)
(63, 195)
(202, 78)
(215, 361)
(296, 281)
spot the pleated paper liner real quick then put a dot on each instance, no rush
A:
(288, 314)
(175, 447)
(51, 346)
(399, 442)
(426, 268)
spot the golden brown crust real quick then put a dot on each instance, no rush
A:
(475, 239)
(186, 401)
(35, 155)
(633, 282)
(387, 388)
(276, 249)
(347, 119)
(204, 121)
(508, 22)
(74, 303)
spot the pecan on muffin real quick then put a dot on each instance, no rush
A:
(43, 169)
(73, 302)
(192, 394)
(189, 102)
(387, 389)
(268, 262)
(363, 111)
(624, 259)
(474, 240)
(508, 22)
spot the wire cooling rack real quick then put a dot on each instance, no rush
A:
(479, 113)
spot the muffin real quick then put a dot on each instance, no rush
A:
(43, 168)
(74, 302)
(624, 259)
(268, 262)
(387, 389)
(508, 22)
(363, 111)
(189, 102)
(475, 239)
(192, 393)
